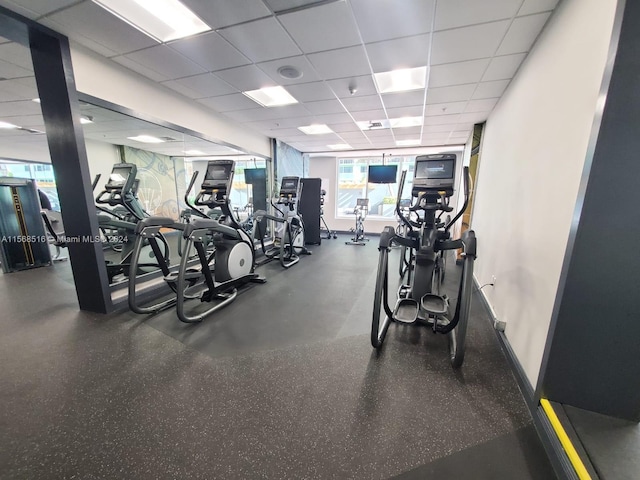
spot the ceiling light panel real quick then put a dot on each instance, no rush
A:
(163, 20)
(402, 80)
(340, 146)
(271, 96)
(146, 139)
(315, 129)
(8, 126)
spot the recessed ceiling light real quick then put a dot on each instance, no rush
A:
(405, 122)
(193, 152)
(407, 143)
(146, 139)
(402, 80)
(163, 20)
(340, 146)
(271, 96)
(86, 119)
(315, 129)
(8, 126)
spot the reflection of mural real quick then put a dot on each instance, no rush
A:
(157, 190)
(288, 162)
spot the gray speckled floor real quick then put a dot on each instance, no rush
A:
(281, 384)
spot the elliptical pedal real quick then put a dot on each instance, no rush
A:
(435, 305)
(406, 311)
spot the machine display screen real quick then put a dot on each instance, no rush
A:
(290, 184)
(435, 169)
(119, 176)
(218, 172)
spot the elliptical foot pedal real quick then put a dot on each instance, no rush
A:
(406, 311)
(434, 304)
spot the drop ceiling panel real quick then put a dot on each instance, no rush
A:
(364, 85)
(227, 103)
(28, 121)
(456, 93)
(300, 63)
(20, 107)
(347, 128)
(367, 115)
(469, 43)
(246, 78)
(493, 89)
(474, 118)
(383, 20)
(345, 62)
(325, 27)
(88, 20)
(429, 129)
(332, 118)
(458, 13)
(222, 13)
(17, 55)
(353, 135)
(405, 52)
(324, 107)
(480, 105)
(210, 51)
(201, 86)
(442, 120)
(403, 99)
(365, 102)
(457, 73)
(168, 63)
(261, 40)
(9, 70)
(522, 33)
(400, 112)
(281, 5)
(413, 131)
(310, 92)
(40, 7)
(537, 6)
(448, 108)
(503, 67)
(20, 89)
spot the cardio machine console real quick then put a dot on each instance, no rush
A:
(289, 187)
(122, 178)
(434, 174)
(216, 184)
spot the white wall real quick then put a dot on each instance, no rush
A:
(101, 156)
(109, 81)
(531, 163)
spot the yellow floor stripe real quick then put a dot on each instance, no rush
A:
(574, 458)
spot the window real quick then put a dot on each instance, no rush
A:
(353, 184)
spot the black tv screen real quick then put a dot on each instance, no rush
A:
(255, 175)
(383, 173)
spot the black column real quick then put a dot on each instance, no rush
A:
(592, 360)
(58, 99)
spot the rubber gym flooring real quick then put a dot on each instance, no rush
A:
(283, 383)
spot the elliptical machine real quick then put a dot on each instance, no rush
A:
(360, 211)
(289, 241)
(118, 224)
(426, 238)
(218, 274)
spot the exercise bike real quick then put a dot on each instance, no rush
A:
(330, 232)
(426, 239)
(289, 242)
(360, 211)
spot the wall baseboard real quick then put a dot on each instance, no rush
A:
(550, 442)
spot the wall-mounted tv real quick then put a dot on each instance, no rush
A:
(383, 173)
(255, 175)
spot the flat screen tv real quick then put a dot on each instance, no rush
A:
(255, 175)
(383, 173)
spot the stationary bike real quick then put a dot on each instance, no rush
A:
(289, 242)
(426, 239)
(360, 211)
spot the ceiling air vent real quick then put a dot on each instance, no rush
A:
(169, 139)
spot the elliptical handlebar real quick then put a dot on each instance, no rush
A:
(186, 197)
(467, 188)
